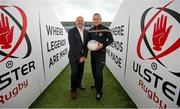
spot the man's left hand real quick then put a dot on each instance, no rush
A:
(82, 59)
(100, 45)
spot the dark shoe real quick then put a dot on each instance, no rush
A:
(82, 87)
(73, 95)
(92, 87)
(98, 96)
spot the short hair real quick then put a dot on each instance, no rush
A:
(97, 14)
(79, 17)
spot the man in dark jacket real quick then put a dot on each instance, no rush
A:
(78, 37)
(104, 37)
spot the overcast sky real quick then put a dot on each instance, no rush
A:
(68, 10)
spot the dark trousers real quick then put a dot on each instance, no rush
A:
(76, 74)
(97, 64)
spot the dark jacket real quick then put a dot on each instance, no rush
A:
(77, 49)
(101, 34)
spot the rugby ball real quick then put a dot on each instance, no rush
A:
(92, 45)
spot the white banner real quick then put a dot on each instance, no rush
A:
(54, 42)
(33, 51)
(116, 52)
(152, 71)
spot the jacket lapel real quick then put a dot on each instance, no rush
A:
(84, 36)
(78, 35)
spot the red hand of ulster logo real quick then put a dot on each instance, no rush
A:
(6, 33)
(9, 42)
(160, 33)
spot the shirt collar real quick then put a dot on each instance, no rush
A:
(80, 29)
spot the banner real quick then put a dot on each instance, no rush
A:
(33, 51)
(55, 43)
(149, 33)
